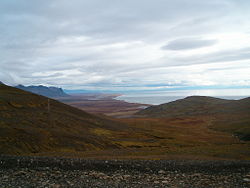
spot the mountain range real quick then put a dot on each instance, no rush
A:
(52, 92)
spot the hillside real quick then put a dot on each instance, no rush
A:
(52, 92)
(31, 124)
(28, 126)
(197, 105)
(227, 115)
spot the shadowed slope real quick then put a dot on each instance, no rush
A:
(27, 126)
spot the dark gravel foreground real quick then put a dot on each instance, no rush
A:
(51, 172)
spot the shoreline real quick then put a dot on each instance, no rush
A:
(106, 104)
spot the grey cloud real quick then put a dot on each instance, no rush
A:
(55, 75)
(216, 57)
(188, 43)
(122, 20)
(30, 30)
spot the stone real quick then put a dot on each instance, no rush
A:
(196, 175)
(161, 172)
(5, 177)
(246, 179)
(20, 173)
(56, 186)
(164, 182)
(126, 176)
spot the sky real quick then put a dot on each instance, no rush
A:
(132, 45)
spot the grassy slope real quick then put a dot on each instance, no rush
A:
(231, 116)
(175, 138)
(26, 126)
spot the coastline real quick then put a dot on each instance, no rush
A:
(105, 104)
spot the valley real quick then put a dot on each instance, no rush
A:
(28, 128)
(125, 94)
(189, 142)
(105, 104)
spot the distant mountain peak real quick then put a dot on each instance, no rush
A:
(52, 92)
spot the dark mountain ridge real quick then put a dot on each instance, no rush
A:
(52, 92)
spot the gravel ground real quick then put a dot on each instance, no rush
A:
(58, 173)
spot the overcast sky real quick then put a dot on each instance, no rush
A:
(125, 45)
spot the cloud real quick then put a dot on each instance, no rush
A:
(188, 44)
(237, 55)
(109, 44)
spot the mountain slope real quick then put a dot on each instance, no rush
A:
(28, 126)
(35, 125)
(197, 105)
(228, 115)
(51, 92)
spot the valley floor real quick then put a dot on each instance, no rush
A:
(59, 172)
(106, 104)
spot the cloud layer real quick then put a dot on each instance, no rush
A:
(125, 45)
(188, 44)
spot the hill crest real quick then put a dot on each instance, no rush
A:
(195, 105)
(226, 115)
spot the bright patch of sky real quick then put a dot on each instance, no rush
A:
(132, 45)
